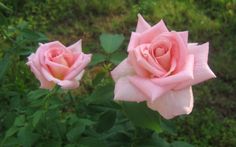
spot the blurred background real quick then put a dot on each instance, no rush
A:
(23, 23)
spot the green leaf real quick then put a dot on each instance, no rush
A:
(97, 58)
(74, 133)
(4, 64)
(19, 121)
(36, 94)
(180, 144)
(168, 126)
(26, 137)
(110, 42)
(106, 121)
(91, 142)
(37, 116)
(102, 94)
(4, 7)
(116, 58)
(154, 142)
(11, 131)
(142, 116)
(99, 78)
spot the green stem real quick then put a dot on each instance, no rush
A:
(46, 98)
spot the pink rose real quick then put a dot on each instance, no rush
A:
(53, 63)
(160, 68)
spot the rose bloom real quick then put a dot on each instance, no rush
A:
(160, 69)
(53, 63)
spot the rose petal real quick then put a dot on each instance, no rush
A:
(43, 48)
(201, 70)
(79, 77)
(142, 24)
(183, 76)
(148, 35)
(138, 69)
(144, 64)
(66, 84)
(151, 90)
(125, 91)
(165, 60)
(122, 70)
(173, 103)
(184, 36)
(81, 62)
(36, 70)
(57, 70)
(76, 47)
(134, 41)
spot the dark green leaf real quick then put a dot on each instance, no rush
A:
(37, 116)
(142, 116)
(36, 94)
(154, 142)
(91, 142)
(19, 121)
(102, 94)
(168, 126)
(4, 64)
(116, 58)
(180, 144)
(98, 79)
(106, 121)
(74, 133)
(110, 42)
(11, 131)
(4, 7)
(26, 137)
(97, 58)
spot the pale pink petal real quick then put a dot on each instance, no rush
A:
(76, 47)
(70, 58)
(134, 41)
(181, 49)
(151, 90)
(184, 36)
(125, 91)
(155, 70)
(148, 35)
(57, 70)
(146, 51)
(181, 77)
(173, 103)
(138, 69)
(142, 24)
(201, 70)
(165, 60)
(79, 77)
(45, 84)
(66, 84)
(60, 60)
(43, 48)
(122, 70)
(81, 62)
(49, 76)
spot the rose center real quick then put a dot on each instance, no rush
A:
(54, 53)
(159, 52)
